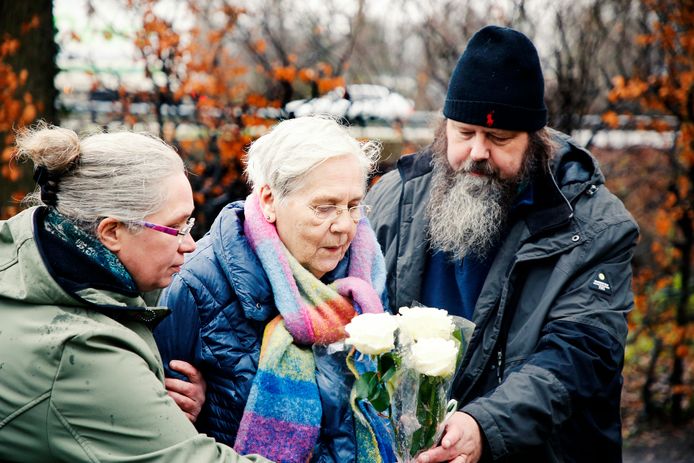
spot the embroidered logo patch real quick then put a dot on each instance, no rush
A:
(600, 284)
(490, 118)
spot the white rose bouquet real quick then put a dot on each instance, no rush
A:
(416, 355)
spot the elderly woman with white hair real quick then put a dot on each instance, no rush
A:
(277, 275)
(80, 375)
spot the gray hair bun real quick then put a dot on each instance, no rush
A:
(55, 152)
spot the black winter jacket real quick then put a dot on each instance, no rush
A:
(542, 375)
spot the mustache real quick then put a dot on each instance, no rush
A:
(481, 167)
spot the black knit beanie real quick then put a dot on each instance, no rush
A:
(498, 83)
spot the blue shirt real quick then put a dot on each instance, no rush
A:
(455, 285)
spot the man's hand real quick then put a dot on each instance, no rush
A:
(461, 442)
(189, 396)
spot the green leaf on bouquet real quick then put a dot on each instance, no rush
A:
(429, 413)
(362, 385)
(416, 442)
(381, 399)
(422, 439)
(369, 387)
(389, 374)
(426, 400)
(458, 336)
(388, 365)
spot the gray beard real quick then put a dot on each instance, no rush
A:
(467, 213)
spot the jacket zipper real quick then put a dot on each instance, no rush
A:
(498, 343)
(503, 334)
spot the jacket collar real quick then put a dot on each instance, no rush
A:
(415, 165)
(241, 266)
(551, 209)
(76, 258)
(31, 275)
(571, 172)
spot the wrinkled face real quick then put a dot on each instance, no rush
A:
(477, 173)
(152, 257)
(500, 152)
(319, 245)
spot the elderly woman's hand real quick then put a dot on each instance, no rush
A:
(189, 396)
(461, 443)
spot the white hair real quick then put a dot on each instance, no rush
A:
(117, 175)
(282, 157)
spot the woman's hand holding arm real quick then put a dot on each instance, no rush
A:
(188, 395)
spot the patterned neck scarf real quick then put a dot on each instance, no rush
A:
(282, 417)
(88, 248)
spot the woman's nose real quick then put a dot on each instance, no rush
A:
(187, 244)
(342, 223)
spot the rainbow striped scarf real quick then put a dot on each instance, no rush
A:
(282, 417)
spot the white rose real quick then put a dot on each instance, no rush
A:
(424, 322)
(434, 357)
(372, 333)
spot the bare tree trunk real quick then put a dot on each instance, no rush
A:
(648, 407)
(31, 23)
(686, 247)
(37, 50)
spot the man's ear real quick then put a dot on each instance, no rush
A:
(110, 233)
(267, 203)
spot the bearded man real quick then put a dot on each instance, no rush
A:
(508, 223)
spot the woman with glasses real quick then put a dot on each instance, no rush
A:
(273, 282)
(80, 375)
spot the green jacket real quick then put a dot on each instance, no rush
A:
(75, 384)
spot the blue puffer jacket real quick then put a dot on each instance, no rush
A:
(220, 304)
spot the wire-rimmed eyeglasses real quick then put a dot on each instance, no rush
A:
(331, 211)
(181, 233)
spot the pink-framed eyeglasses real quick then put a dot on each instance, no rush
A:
(181, 233)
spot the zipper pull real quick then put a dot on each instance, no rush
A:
(498, 364)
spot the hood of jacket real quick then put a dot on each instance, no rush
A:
(23, 275)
